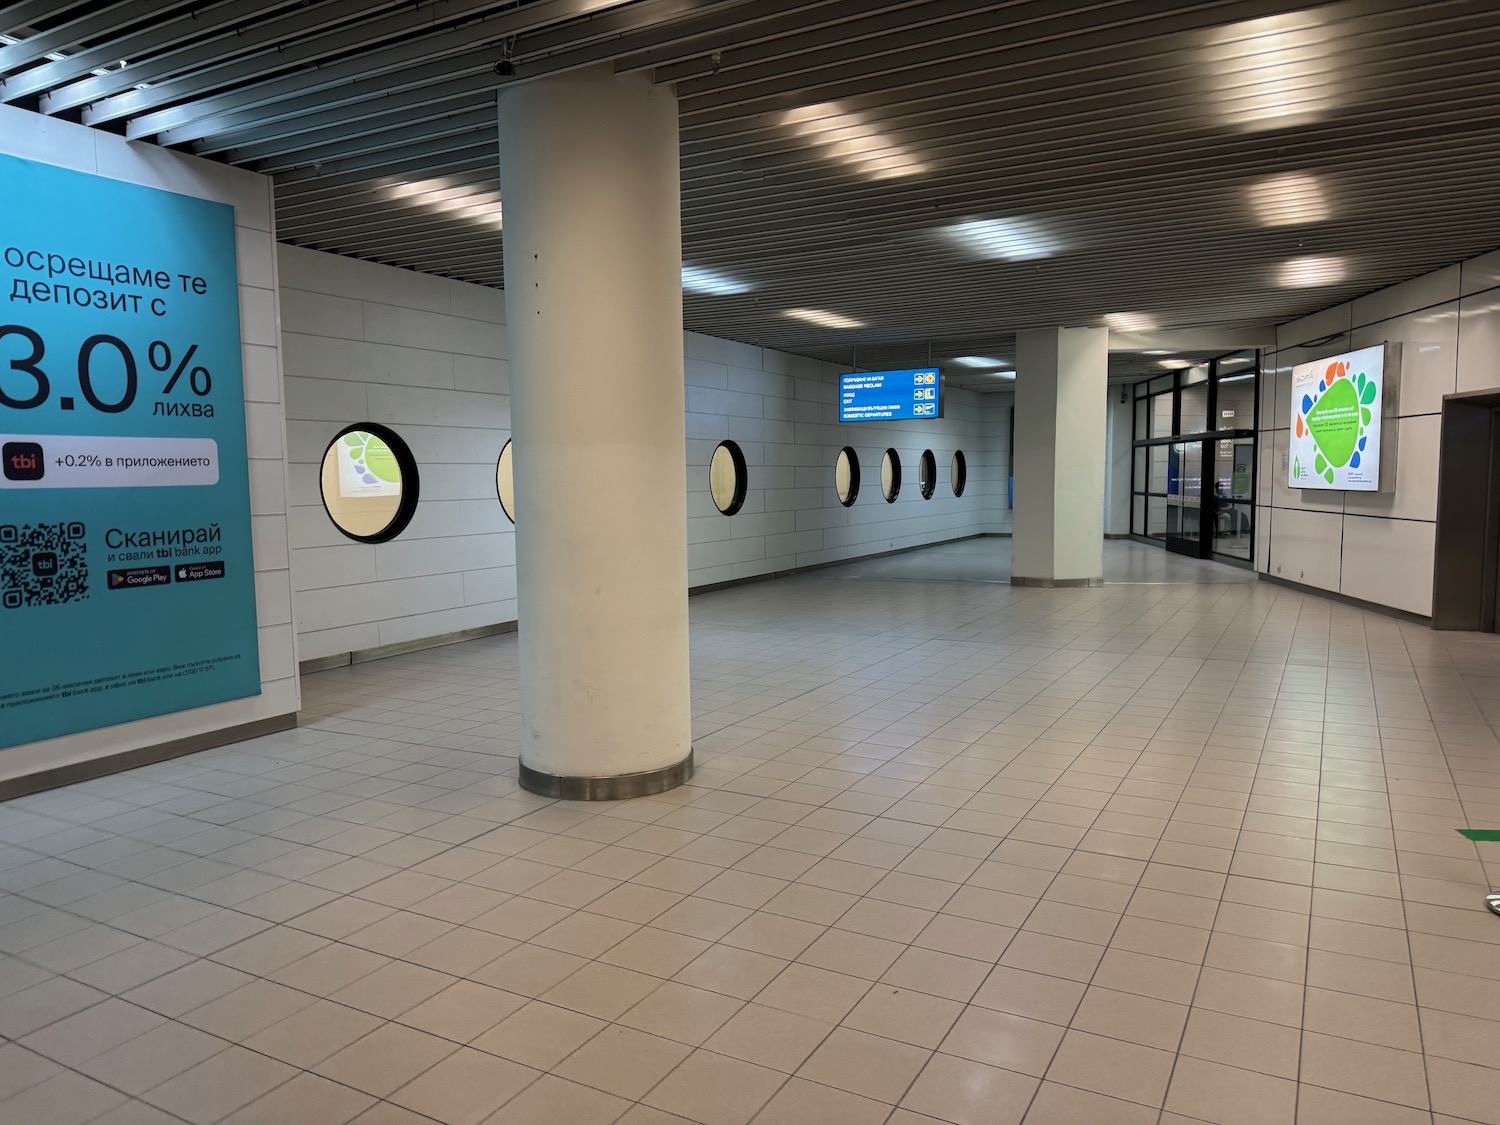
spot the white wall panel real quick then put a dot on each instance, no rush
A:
(1389, 562)
(1305, 547)
(1435, 288)
(1378, 547)
(1479, 338)
(426, 356)
(369, 343)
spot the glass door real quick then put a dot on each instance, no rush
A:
(1234, 500)
(1187, 522)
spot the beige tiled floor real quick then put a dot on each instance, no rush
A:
(1178, 849)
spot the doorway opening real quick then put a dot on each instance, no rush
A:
(1466, 563)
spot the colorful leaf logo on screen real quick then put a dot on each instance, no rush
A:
(1337, 416)
(373, 458)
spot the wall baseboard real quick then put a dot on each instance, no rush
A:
(1345, 599)
(400, 648)
(1118, 535)
(729, 583)
(74, 772)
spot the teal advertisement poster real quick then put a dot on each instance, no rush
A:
(127, 587)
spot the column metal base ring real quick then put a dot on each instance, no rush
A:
(617, 788)
(1055, 583)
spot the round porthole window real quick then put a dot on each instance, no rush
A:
(958, 472)
(927, 474)
(370, 483)
(846, 476)
(727, 477)
(505, 485)
(890, 475)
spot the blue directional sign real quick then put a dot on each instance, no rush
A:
(884, 396)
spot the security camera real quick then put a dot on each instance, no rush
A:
(505, 68)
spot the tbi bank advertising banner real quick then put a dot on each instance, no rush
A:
(127, 587)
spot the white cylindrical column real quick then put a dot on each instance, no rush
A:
(1057, 526)
(589, 183)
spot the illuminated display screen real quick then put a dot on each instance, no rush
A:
(1336, 406)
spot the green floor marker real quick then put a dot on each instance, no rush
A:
(1481, 835)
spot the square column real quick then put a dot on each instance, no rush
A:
(1062, 377)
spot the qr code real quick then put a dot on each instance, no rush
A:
(42, 564)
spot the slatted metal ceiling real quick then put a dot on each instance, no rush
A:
(1137, 157)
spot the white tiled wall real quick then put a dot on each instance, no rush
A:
(1378, 547)
(74, 146)
(783, 412)
(425, 356)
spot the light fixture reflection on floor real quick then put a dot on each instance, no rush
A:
(1274, 72)
(1289, 200)
(1306, 273)
(824, 319)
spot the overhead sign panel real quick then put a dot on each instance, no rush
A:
(886, 396)
(127, 584)
(1336, 421)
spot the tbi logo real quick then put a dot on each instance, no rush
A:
(22, 460)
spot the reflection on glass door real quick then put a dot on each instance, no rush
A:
(1185, 515)
(1234, 508)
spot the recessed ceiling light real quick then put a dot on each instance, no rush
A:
(1177, 364)
(977, 361)
(823, 318)
(849, 137)
(1236, 378)
(1130, 322)
(696, 279)
(1275, 71)
(1000, 374)
(1284, 201)
(445, 197)
(1305, 273)
(1236, 359)
(1159, 351)
(1015, 240)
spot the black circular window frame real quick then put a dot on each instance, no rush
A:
(741, 476)
(895, 460)
(498, 494)
(853, 457)
(959, 469)
(927, 474)
(410, 481)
